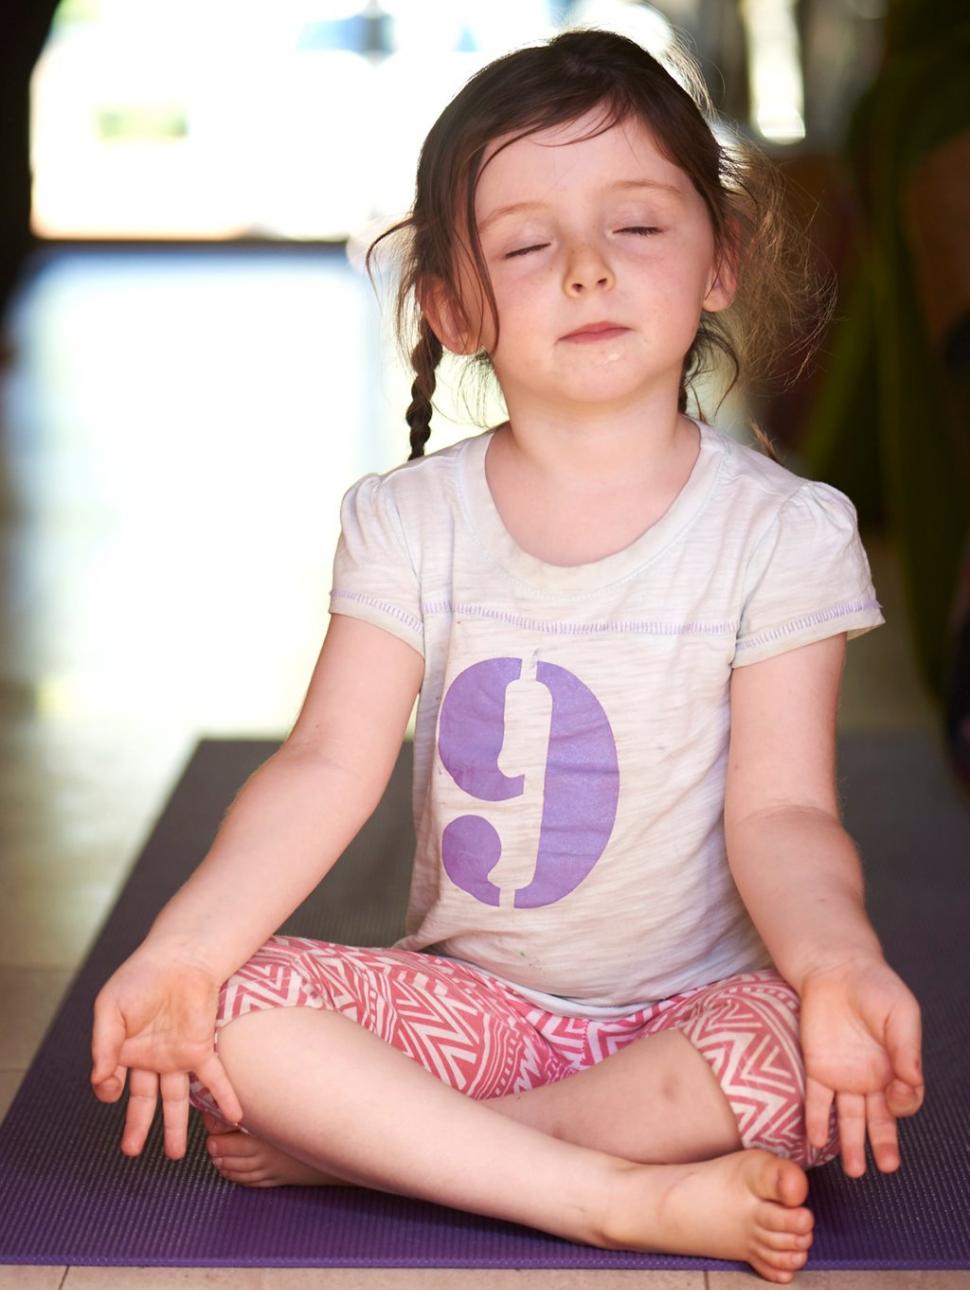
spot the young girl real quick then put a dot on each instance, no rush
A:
(638, 995)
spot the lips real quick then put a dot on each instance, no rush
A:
(595, 329)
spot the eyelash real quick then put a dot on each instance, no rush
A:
(641, 229)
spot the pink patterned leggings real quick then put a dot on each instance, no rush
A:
(476, 1034)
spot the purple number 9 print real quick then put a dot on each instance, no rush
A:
(582, 781)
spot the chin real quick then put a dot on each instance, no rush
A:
(608, 389)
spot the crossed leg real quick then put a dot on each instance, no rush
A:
(627, 1153)
(331, 1094)
(656, 1101)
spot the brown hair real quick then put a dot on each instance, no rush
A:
(557, 82)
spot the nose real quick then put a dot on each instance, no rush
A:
(587, 268)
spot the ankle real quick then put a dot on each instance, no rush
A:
(616, 1199)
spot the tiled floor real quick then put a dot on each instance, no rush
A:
(449, 1279)
(177, 432)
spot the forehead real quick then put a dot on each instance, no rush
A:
(560, 157)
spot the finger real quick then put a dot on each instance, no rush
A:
(107, 1036)
(818, 1109)
(902, 1099)
(904, 1040)
(213, 1075)
(881, 1127)
(110, 1089)
(851, 1109)
(142, 1101)
(175, 1112)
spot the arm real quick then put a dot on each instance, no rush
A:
(284, 831)
(810, 908)
(296, 813)
(795, 866)
(288, 825)
(799, 876)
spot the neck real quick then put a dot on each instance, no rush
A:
(630, 449)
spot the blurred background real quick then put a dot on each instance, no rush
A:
(195, 367)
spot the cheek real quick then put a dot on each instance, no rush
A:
(518, 288)
(677, 295)
(522, 305)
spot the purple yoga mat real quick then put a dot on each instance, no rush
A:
(68, 1196)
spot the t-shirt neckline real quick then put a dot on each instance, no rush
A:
(487, 522)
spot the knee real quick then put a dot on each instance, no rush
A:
(749, 1030)
(275, 976)
(280, 974)
(786, 1136)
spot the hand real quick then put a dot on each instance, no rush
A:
(155, 1017)
(861, 1037)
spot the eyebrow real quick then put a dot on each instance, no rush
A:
(620, 183)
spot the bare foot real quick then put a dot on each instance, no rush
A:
(746, 1205)
(241, 1158)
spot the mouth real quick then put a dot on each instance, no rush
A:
(597, 331)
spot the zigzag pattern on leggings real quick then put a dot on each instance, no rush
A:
(477, 1035)
(582, 1042)
(750, 1039)
(414, 1004)
(747, 1030)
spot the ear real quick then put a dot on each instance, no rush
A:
(723, 283)
(444, 316)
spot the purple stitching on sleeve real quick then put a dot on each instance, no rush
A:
(383, 605)
(809, 620)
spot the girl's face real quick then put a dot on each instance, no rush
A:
(605, 229)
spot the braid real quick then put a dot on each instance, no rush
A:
(425, 357)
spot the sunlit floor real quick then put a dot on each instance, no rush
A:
(178, 430)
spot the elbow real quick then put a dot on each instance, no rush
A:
(793, 834)
(783, 813)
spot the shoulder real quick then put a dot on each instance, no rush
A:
(756, 474)
(807, 581)
(413, 509)
(765, 494)
(407, 487)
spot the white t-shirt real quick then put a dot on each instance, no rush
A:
(572, 729)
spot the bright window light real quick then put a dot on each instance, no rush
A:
(640, 22)
(775, 78)
(241, 118)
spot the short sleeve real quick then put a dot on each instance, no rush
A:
(374, 577)
(807, 578)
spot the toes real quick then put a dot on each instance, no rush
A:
(769, 1271)
(230, 1144)
(214, 1124)
(216, 1147)
(230, 1156)
(784, 1240)
(791, 1182)
(776, 1218)
(778, 1263)
(257, 1177)
(776, 1178)
(238, 1165)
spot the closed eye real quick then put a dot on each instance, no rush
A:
(525, 250)
(640, 230)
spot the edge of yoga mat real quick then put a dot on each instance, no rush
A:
(68, 1196)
